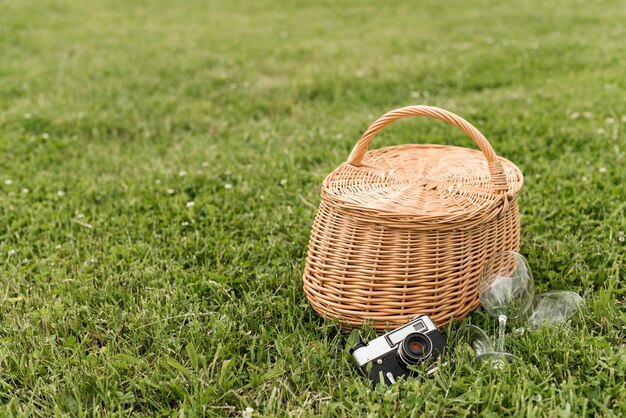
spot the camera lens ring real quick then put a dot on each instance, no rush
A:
(413, 348)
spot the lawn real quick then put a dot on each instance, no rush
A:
(160, 171)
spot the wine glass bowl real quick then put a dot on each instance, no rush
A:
(475, 338)
(506, 285)
(554, 308)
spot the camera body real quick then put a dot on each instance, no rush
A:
(388, 357)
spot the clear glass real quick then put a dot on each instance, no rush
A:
(554, 308)
(475, 338)
(478, 340)
(498, 358)
(506, 289)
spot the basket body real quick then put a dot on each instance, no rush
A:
(406, 230)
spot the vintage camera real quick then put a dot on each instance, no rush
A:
(389, 357)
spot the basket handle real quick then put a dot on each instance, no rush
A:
(498, 177)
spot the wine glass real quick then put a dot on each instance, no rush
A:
(505, 291)
(481, 345)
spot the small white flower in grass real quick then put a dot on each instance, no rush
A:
(157, 181)
(585, 179)
(601, 131)
(228, 186)
(11, 252)
(28, 116)
(214, 283)
(61, 193)
(621, 238)
(45, 135)
(185, 223)
(80, 216)
(574, 115)
(171, 191)
(25, 190)
(609, 121)
(190, 204)
(8, 182)
(182, 173)
(587, 115)
(602, 169)
(205, 164)
(283, 182)
(247, 413)
(623, 119)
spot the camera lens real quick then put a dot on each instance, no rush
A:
(414, 347)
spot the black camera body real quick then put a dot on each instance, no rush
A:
(389, 357)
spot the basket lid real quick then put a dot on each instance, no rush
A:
(423, 185)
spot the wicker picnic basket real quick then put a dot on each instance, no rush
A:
(405, 230)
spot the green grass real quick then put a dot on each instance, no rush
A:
(118, 298)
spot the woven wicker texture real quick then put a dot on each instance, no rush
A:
(405, 230)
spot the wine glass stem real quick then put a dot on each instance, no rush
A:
(502, 327)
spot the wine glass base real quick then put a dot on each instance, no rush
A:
(498, 359)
